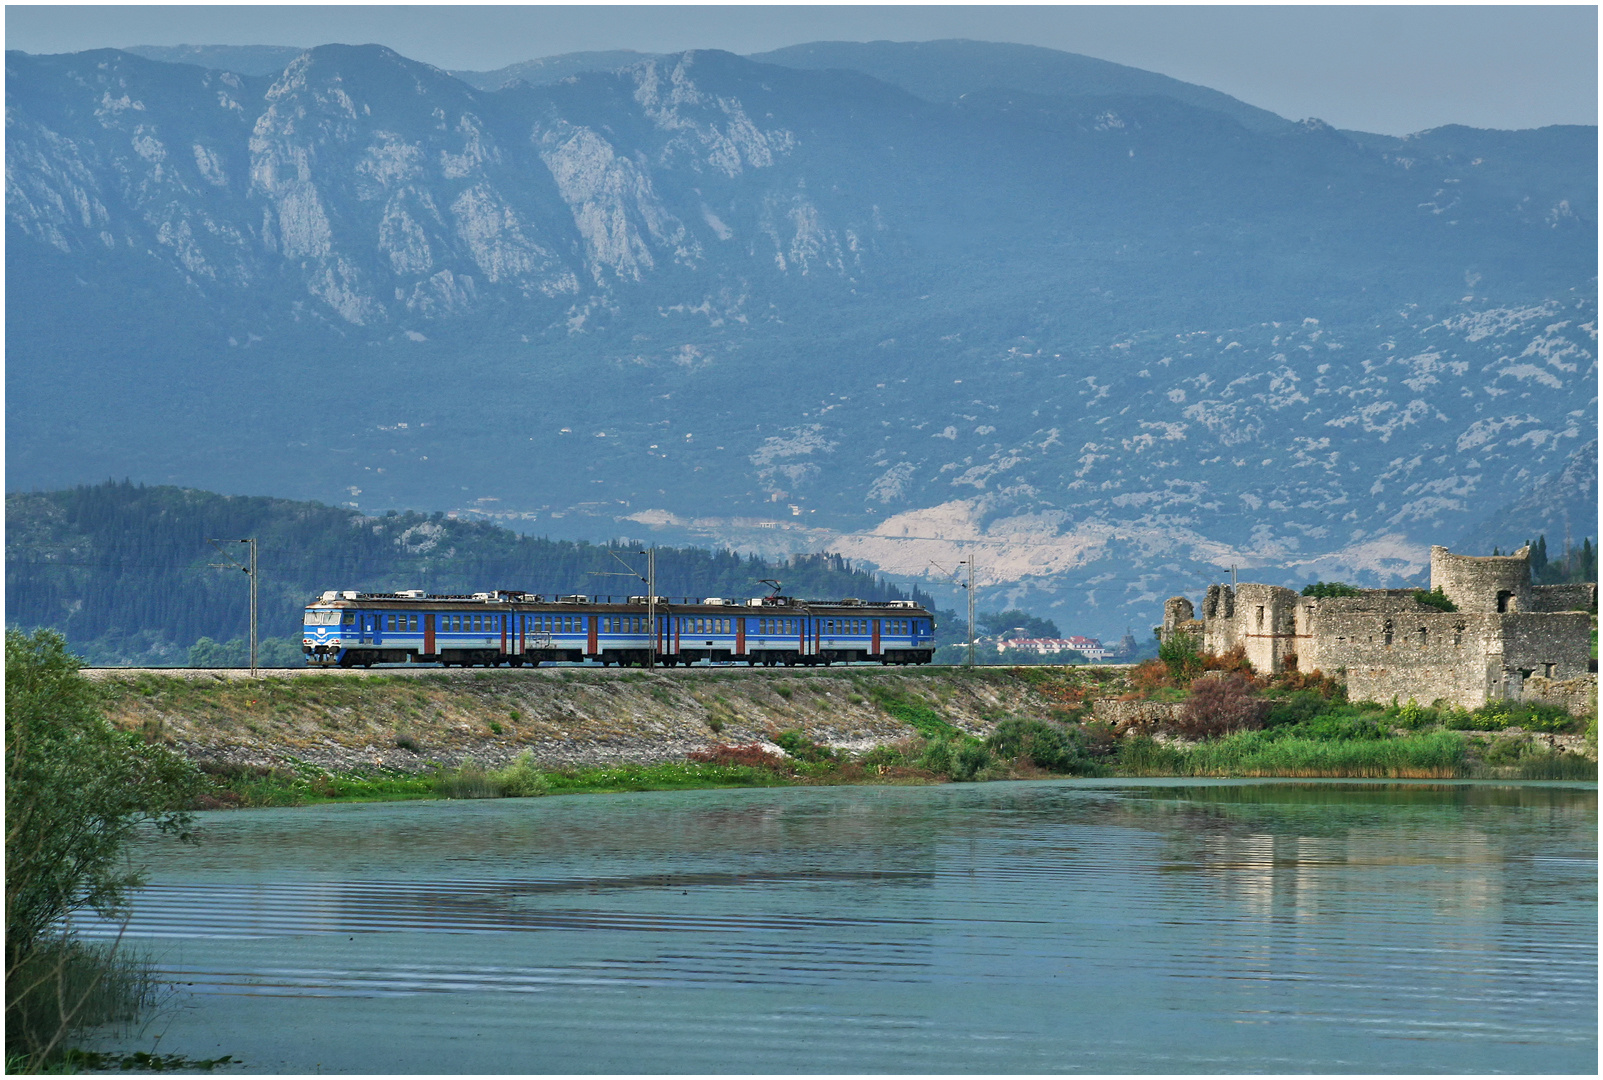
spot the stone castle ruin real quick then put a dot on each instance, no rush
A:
(1508, 640)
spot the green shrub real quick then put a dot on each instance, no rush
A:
(1435, 598)
(970, 761)
(1182, 656)
(1505, 750)
(937, 757)
(799, 746)
(1330, 588)
(882, 755)
(1334, 726)
(1499, 715)
(1049, 746)
(1414, 716)
(522, 779)
(1297, 707)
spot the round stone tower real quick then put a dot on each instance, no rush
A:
(1483, 583)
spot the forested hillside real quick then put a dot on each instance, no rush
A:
(122, 569)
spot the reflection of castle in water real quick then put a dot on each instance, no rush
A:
(1508, 639)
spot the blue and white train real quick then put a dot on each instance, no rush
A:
(348, 629)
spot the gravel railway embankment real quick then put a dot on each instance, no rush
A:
(414, 718)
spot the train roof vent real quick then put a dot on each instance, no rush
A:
(715, 601)
(576, 598)
(348, 594)
(330, 594)
(903, 603)
(851, 601)
(412, 594)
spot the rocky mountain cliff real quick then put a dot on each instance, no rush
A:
(1109, 336)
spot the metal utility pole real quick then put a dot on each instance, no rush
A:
(651, 595)
(651, 605)
(249, 568)
(970, 587)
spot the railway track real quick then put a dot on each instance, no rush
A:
(544, 671)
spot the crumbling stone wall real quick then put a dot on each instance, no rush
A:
(1262, 619)
(1386, 644)
(1490, 583)
(1136, 715)
(1578, 695)
(1579, 596)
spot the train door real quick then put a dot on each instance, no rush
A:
(740, 636)
(428, 633)
(372, 626)
(874, 649)
(593, 646)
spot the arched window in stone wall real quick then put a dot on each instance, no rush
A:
(1458, 633)
(1388, 631)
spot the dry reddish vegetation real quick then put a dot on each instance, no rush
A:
(1221, 692)
(751, 754)
(1220, 704)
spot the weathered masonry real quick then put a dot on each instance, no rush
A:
(1508, 639)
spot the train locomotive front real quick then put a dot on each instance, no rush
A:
(490, 629)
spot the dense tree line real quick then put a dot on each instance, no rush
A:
(122, 569)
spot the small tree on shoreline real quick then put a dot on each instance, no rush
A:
(76, 790)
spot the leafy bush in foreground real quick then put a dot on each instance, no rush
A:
(1047, 746)
(76, 789)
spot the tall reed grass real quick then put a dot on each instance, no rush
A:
(62, 987)
(1434, 755)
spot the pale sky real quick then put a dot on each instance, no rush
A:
(1387, 69)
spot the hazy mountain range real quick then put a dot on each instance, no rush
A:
(1106, 331)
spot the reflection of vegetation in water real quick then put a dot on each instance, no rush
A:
(1188, 814)
(1358, 793)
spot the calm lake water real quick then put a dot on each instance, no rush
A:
(1096, 926)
